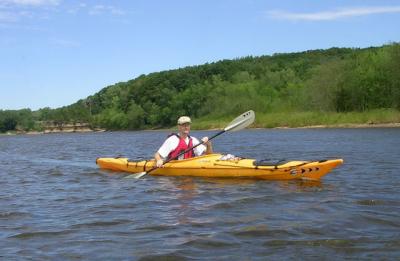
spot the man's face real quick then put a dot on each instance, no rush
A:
(184, 128)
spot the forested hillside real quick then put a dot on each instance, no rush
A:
(324, 81)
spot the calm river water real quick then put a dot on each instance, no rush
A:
(55, 204)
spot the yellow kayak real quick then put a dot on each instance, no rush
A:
(220, 166)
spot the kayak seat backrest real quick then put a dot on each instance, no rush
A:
(269, 162)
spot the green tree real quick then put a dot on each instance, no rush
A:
(135, 117)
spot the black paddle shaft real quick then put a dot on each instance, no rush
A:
(238, 123)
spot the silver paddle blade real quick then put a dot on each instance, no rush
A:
(241, 122)
(136, 175)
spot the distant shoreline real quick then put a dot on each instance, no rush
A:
(338, 126)
(50, 132)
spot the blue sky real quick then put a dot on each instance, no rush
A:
(55, 52)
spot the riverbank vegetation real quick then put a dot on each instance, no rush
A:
(319, 87)
(378, 117)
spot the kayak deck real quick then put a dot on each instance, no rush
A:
(213, 165)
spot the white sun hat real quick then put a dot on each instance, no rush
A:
(184, 119)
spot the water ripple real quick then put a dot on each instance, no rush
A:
(40, 234)
(101, 223)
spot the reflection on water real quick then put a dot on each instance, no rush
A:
(55, 204)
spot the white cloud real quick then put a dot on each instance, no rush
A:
(30, 2)
(333, 15)
(104, 9)
(14, 11)
(8, 17)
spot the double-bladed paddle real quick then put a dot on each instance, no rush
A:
(237, 124)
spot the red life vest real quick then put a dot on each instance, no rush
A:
(182, 146)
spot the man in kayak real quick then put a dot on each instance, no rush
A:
(177, 143)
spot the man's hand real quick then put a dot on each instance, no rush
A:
(207, 142)
(159, 163)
